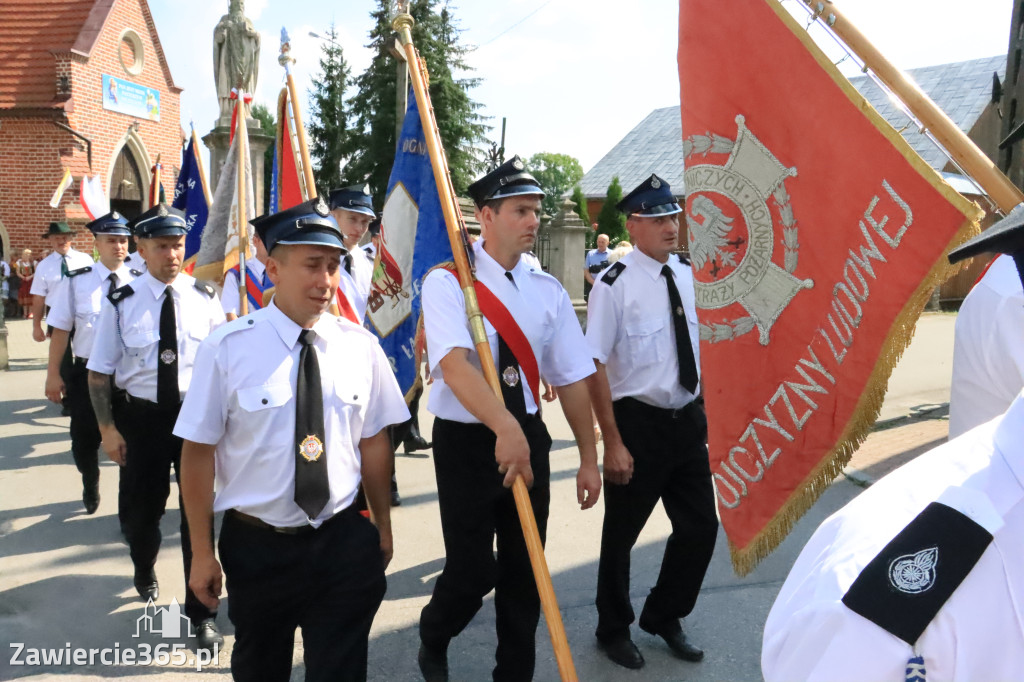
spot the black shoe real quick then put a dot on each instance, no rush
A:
(146, 584)
(208, 636)
(673, 635)
(621, 650)
(414, 443)
(91, 497)
(396, 499)
(433, 664)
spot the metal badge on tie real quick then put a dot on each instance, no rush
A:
(311, 448)
(168, 356)
(679, 311)
(510, 376)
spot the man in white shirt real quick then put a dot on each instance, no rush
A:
(289, 412)
(51, 270)
(75, 308)
(922, 575)
(147, 340)
(352, 208)
(481, 445)
(643, 334)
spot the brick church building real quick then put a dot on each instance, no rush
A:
(84, 86)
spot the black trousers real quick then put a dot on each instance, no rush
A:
(85, 433)
(670, 463)
(66, 361)
(329, 582)
(153, 450)
(475, 508)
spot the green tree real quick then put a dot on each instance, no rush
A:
(581, 205)
(556, 173)
(328, 125)
(372, 140)
(610, 220)
(261, 113)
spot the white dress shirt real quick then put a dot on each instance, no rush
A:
(630, 330)
(538, 304)
(245, 405)
(48, 274)
(356, 284)
(135, 262)
(78, 300)
(979, 632)
(128, 334)
(988, 349)
(229, 296)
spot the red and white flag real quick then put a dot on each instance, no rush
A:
(816, 235)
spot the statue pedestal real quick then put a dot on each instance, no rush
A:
(218, 141)
(568, 237)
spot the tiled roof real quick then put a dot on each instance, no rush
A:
(655, 145)
(31, 31)
(961, 89)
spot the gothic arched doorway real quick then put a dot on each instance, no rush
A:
(126, 190)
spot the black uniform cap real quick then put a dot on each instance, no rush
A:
(159, 221)
(507, 180)
(307, 223)
(652, 197)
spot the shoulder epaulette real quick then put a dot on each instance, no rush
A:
(683, 259)
(613, 273)
(121, 293)
(903, 588)
(205, 287)
(80, 271)
(135, 273)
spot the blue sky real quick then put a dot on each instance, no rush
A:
(572, 77)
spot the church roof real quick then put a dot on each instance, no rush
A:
(961, 89)
(34, 32)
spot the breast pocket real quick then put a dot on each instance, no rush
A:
(255, 403)
(648, 340)
(138, 344)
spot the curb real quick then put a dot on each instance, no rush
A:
(918, 414)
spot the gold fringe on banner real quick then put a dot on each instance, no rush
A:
(900, 334)
(864, 415)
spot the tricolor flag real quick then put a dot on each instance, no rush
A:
(816, 235)
(218, 249)
(413, 239)
(192, 196)
(288, 183)
(58, 193)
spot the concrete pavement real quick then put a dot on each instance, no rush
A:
(65, 578)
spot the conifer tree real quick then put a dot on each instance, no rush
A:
(328, 124)
(581, 205)
(610, 220)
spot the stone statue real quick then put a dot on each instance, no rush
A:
(236, 57)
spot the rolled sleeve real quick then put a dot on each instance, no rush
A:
(106, 350)
(387, 404)
(444, 316)
(603, 323)
(203, 414)
(566, 359)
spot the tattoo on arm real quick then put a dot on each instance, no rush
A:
(100, 395)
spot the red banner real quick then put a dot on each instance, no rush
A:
(816, 235)
(289, 187)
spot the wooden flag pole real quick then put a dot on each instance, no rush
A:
(456, 230)
(300, 131)
(243, 231)
(154, 191)
(963, 150)
(199, 162)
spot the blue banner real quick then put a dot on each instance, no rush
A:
(190, 198)
(413, 239)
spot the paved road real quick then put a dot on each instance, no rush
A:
(65, 578)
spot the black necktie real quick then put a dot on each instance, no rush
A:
(511, 376)
(113, 285)
(684, 351)
(63, 267)
(348, 263)
(311, 487)
(167, 394)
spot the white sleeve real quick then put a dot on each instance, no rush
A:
(566, 359)
(604, 320)
(203, 415)
(444, 316)
(386, 405)
(62, 314)
(106, 349)
(39, 283)
(229, 300)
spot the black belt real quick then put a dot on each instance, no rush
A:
(79, 362)
(287, 530)
(665, 412)
(142, 402)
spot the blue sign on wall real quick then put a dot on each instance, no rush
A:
(130, 98)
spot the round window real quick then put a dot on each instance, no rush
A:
(129, 51)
